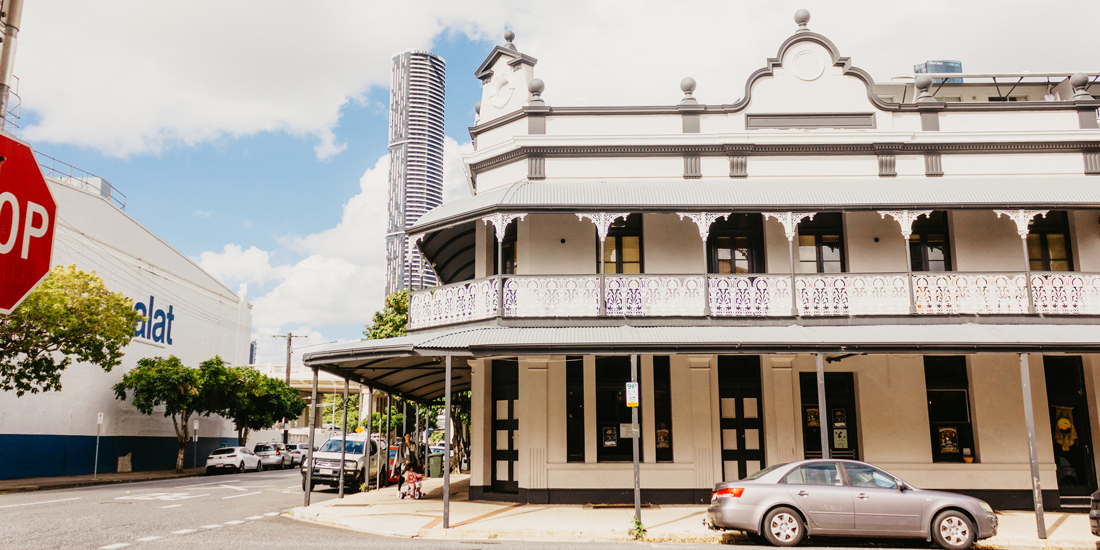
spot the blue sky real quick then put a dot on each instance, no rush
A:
(251, 135)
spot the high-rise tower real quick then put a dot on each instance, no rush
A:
(416, 162)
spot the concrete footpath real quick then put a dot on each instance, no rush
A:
(68, 482)
(382, 513)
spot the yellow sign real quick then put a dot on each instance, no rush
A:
(359, 430)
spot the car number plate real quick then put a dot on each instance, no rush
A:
(326, 472)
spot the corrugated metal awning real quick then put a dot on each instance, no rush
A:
(411, 365)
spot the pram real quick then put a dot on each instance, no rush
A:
(412, 485)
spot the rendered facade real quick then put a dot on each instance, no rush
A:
(416, 162)
(935, 263)
(192, 316)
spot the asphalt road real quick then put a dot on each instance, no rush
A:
(217, 512)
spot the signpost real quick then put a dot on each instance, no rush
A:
(98, 424)
(196, 458)
(27, 216)
(632, 402)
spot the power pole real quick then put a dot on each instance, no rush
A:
(289, 339)
(11, 15)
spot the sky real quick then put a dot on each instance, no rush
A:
(252, 135)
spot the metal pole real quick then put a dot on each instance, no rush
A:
(426, 439)
(195, 456)
(1033, 453)
(404, 418)
(95, 466)
(289, 339)
(1027, 273)
(706, 281)
(447, 448)
(386, 454)
(12, 16)
(909, 272)
(312, 413)
(634, 436)
(603, 286)
(822, 408)
(344, 438)
(500, 276)
(794, 293)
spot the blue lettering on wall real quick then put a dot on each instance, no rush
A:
(157, 325)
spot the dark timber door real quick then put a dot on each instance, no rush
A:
(505, 454)
(1069, 424)
(840, 419)
(741, 420)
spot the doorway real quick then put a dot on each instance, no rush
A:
(1069, 425)
(505, 392)
(840, 419)
(741, 419)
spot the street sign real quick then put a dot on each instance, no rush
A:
(27, 216)
(99, 420)
(631, 394)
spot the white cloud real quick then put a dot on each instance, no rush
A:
(270, 349)
(236, 265)
(203, 213)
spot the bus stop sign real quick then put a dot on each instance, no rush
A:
(27, 216)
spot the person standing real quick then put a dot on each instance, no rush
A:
(401, 459)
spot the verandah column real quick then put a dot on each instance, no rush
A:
(500, 222)
(446, 461)
(822, 408)
(1032, 451)
(906, 218)
(704, 221)
(1022, 219)
(790, 227)
(603, 221)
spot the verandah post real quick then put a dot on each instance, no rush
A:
(1032, 451)
(822, 408)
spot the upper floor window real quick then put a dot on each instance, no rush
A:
(736, 244)
(929, 245)
(623, 248)
(1048, 246)
(509, 249)
(821, 244)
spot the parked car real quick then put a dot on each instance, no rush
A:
(326, 463)
(298, 452)
(1094, 513)
(273, 455)
(235, 459)
(785, 503)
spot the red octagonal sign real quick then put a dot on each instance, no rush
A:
(27, 214)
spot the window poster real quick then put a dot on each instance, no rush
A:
(840, 438)
(664, 440)
(949, 441)
(840, 418)
(626, 430)
(812, 418)
(610, 438)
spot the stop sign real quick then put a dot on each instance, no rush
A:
(27, 214)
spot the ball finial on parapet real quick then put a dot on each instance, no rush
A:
(1079, 81)
(536, 86)
(923, 83)
(802, 17)
(477, 108)
(687, 85)
(509, 36)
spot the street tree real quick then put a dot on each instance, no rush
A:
(167, 382)
(70, 317)
(252, 400)
(390, 321)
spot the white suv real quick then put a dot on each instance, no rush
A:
(273, 455)
(326, 466)
(234, 459)
(298, 452)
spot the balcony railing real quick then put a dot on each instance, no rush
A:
(817, 295)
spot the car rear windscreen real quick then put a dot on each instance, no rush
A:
(261, 448)
(223, 451)
(333, 446)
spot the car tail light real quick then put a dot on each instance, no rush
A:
(276, 453)
(728, 492)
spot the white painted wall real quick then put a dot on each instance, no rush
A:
(988, 165)
(616, 168)
(1012, 121)
(672, 245)
(864, 254)
(584, 125)
(1085, 233)
(501, 175)
(541, 251)
(983, 242)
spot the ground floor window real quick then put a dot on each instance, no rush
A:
(574, 409)
(613, 417)
(662, 408)
(950, 428)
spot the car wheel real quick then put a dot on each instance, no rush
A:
(783, 527)
(259, 465)
(308, 487)
(240, 468)
(209, 470)
(953, 530)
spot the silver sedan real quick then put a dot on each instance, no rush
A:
(783, 504)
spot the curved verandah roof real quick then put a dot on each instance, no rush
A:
(412, 366)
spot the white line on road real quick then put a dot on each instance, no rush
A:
(43, 502)
(147, 539)
(229, 487)
(113, 546)
(292, 487)
(272, 514)
(205, 484)
(184, 531)
(210, 526)
(172, 506)
(234, 522)
(244, 495)
(254, 517)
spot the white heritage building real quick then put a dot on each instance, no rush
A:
(192, 316)
(942, 244)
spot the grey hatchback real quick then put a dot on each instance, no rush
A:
(783, 504)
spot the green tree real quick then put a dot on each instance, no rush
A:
(335, 403)
(70, 316)
(250, 399)
(180, 389)
(390, 321)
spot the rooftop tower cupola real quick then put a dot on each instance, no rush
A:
(505, 77)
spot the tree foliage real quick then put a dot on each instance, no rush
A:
(70, 316)
(390, 321)
(250, 399)
(158, 381)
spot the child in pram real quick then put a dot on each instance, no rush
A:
(412, 478)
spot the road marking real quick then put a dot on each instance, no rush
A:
(184, 531)
(244, 495)
(147, 539)
(210, 526)
(172, 506)
(162, 496)
(113, 546)
(205, 484)
(254, 517)
(272, 514)
(234, 522)
(291, 486)
(43, 502)
(229, 487)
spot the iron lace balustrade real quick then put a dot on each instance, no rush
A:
(552, 296)
(750, 295)
(948, 293)
(654, 295)
(1066, 293)
(853, 294)
(453, 303)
